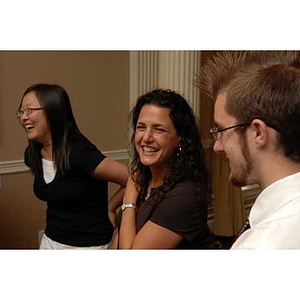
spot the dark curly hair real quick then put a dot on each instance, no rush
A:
(189, 164)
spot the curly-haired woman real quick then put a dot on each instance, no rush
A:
(167, 194)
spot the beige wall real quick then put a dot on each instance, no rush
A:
(22, 216)
(98, 85)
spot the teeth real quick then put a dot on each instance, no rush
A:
(29, 126)
(147, 149)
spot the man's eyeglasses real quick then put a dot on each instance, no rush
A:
(217, 133)
(28, 111)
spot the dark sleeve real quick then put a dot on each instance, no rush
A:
(86, 157)
(180, 211)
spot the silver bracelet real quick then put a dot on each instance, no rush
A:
(128, 205)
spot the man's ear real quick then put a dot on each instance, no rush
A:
(260, 131)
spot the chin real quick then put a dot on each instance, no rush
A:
(237, 182)
(146, 162)
(32, 139)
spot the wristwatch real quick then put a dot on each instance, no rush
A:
(129, 204)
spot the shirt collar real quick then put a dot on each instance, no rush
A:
(274, 196)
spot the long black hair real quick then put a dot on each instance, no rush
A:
(64, 130)
(186, 163)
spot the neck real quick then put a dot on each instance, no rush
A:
(278, 169)
(47, 151)
(157, 178)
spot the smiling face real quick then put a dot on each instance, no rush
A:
(35, 124)
(233, 145)
(156, 138)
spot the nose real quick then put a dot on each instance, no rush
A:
(218, 146)
(148, 137)
(23, 117)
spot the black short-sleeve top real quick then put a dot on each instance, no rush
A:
(77, 212)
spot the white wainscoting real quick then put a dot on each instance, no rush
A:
(18, 166)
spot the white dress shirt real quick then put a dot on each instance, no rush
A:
(274, 217)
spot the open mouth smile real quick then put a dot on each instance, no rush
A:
(28, 127)
(149, 149)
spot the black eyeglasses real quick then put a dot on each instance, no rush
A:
(28, 111)
(217, 133)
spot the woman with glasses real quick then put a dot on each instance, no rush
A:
(167, 194)
(71, 174)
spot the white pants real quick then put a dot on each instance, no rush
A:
(49, 244)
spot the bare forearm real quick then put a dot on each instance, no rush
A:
(128, 223)
(128, 228)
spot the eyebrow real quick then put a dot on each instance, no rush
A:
(154, 125)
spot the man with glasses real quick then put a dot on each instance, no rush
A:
(257, 126)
